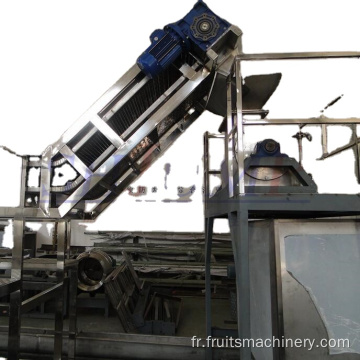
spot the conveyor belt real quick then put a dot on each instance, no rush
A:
(143, 99)
(135, 121)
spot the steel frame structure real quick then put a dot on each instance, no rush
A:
(107, 157)
(118, 162)
(238, 206)
(66, 275)
(107, 166)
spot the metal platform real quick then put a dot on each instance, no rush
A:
(240, 203)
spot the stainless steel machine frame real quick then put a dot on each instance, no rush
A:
(107, 157)
(42, 203)
(233, 203)
(66, 274)
(107, 166)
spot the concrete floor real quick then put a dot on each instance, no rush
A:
(93, 321)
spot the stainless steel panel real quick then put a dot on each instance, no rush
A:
(239, 230)
(263, 290)
(318, 301)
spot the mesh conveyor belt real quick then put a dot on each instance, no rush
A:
(142, 100)
(93, 148)
(97, 144)
(193, 100)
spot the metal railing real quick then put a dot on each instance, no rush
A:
(235, 121)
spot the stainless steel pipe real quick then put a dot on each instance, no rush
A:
(94, 266)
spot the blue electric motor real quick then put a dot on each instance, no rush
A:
(196, 32)
(266, 148)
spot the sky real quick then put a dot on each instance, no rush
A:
(58, 57)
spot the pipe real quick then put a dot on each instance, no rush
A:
(94, 266)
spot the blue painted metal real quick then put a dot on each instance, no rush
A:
(266, 148)
(196, 32)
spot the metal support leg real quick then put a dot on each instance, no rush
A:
(240, 240)
(16, 296)
(58, 341)
(72, 313)
(324, 139)
(355, 139)
(209, 223)
(68, 240)
(73, 275)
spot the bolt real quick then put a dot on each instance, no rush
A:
(205, 26)
(270, 146)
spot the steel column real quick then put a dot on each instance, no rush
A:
(239, 145)
(355, 139)
(73, 281)
(16, 296)
(23, 186)
(45, 182)
(238, 222)
(72, 312)
(324, 139)
(59, 313)
(209, 223)
(229, 139)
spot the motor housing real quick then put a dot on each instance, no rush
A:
(196, 32)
